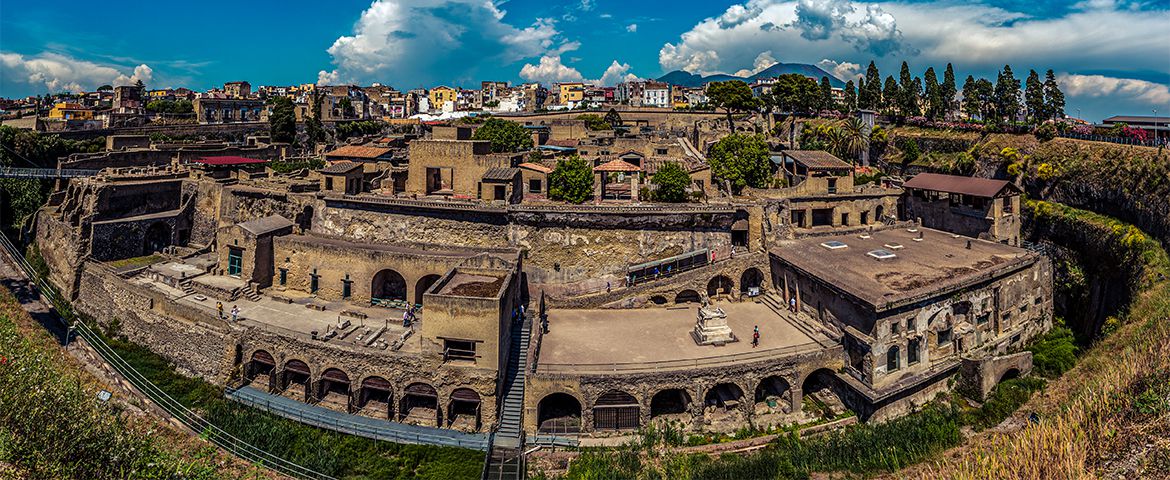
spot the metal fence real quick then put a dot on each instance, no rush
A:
(1112, 139)
(355, 425)
(12, 172)
(188, 418)
(686, 363)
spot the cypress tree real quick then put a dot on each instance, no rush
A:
(948, 90)
(1007, 94)
(1034, 97)
(1053, 97)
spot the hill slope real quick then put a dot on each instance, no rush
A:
(686, 79)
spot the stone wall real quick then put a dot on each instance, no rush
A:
(197, 343)
(979, 376)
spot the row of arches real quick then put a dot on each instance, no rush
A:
(417, 403)
(562, 412)
(388, 284)
(719, 285)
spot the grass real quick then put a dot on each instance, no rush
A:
(136, 261)
(336, 454)
(1113, 397)
(53, 426)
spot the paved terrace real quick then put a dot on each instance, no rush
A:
(652, 339)
(294, 318)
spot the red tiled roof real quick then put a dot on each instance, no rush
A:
(617, 165)
(535, 166)
(358, 151)
(229, 160)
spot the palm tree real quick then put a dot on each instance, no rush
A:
(834, 140)
(853, 138)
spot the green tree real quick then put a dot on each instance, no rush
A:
(1053, 97)
(853, 139)
(571, 180)
(671, 182)
(970, 98)
(861, 91)
(1034, 97)
(826, 98)
(282, 122)
(873, 87)
(907, 94)
(594, 121)
(1007, 94)
(935, 106)
(795, 93)
(949, 90)
(505, 136)
(850, 98)
(890, 95)
(741, 160)
(613, 118)
(731, 96)
(346, 107)
(985, 91)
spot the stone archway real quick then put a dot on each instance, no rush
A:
(616, 410)
(772, 400)
(419, 405)
(723, 407)
(823, 395)
(259, 369)
(388, 285)
(720, 285)
(333, 390)
(376, 395)
(751, 278)
(423, 285)
(558, 413)
(463, 410)
(674, 403)
(687, 296)
(295, 380)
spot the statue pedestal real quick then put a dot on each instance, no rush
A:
(711, 327)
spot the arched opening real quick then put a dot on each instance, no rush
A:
(463, 410)
(739, 229)
(388, 285)
(259, 368)
(773, 395)
(720, 285)
(658, 300)
(157, 237)
(419, 405)
(722, 407)
(616, 410)
(822, 395)
(559, 413)
(751, 282)
(295, 381)
(673, 401)
(375, 397)
(687, 296)
(1009, 374)
(879, 213)
(422, 286)
(333, 389)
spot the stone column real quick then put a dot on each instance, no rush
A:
(634, 187)
(597, 188)
(796, 396)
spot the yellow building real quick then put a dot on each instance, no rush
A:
(440, 95)
(572, 92)
(70, 111)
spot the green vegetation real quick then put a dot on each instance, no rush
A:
(671, 182)
(52, 425)
(1008, 396)
(731, 96)
(594, 121)
(571, 180)
(282, 123)
(339, 455)
(741, 160)
(353, 129)
(27, 149)
(289, 166)
(173, 107)
(1054, 353)
(505, 136)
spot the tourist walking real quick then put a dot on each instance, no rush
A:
(235, 313)
(756, 337)
(219, 308)
(792, 304)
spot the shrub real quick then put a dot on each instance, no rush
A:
(1055, 352)
(505, 136)
(571, 181)
(671, 182)
(1045, 132)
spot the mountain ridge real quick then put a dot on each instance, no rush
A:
(687, 79)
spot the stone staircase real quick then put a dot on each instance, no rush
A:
(506, 458)
(777, 304)
(249, 293)
(187, 287)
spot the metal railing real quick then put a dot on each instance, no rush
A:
(376, 429)
(12, 172)
(188, 418)
(686, 363)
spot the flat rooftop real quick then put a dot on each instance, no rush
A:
(464, 284)
(939, 262)
(660, 339)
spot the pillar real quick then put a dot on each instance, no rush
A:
(634, 187)
(796, 397)
(597, 188)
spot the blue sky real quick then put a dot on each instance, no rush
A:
(1112, 56)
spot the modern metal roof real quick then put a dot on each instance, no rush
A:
(267, 224)
(341, 167)
(228, 160)
(502, 174)
(817, 159)
(974, 186)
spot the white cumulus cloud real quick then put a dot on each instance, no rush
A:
(633, 27)
(422, 42)
(844, 71)
(1102, 86)
(56, 72)
(550, 70)
(819, 19)
(762, 62)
